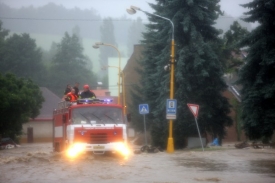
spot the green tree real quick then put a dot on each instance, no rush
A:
(48, 55)
(257, 75)
(236, 105)
(3, 34)
(22, 57)
(198, 74)
(21, 100)
(69, 65)
(231, 58)
(231, 48)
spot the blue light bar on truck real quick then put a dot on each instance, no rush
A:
(108, 100)
(92, 101)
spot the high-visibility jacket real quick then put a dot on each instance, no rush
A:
(71, 97)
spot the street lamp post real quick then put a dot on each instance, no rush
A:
(170, 143)
(124, 93)
(123, 88)
(96, 45)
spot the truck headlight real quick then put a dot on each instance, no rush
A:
(76, 149)
(123, 149)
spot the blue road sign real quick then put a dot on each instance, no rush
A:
(143, 109)
(171, 108)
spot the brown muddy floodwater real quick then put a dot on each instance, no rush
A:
(36, 163)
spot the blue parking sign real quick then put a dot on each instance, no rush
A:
(171, 108)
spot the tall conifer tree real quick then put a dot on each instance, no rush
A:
(198, 72)
(22, 57)
(69, 65)
(257, 75)
(107, 36)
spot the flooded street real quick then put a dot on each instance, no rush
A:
(35, 163)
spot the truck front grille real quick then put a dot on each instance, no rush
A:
(99, 138)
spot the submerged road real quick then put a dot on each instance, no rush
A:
(36, 163)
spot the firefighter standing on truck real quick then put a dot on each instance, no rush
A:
(76, 88)
(87, 93)
(71, 96)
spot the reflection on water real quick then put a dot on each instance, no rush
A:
(262, 166)
(250, 166)
(203, 164)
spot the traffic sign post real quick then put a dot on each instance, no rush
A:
(144, 109)
(171, 113)
(194, 108)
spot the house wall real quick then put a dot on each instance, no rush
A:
(42, 131)
(132, 77)
(113, 74)
(232, 135)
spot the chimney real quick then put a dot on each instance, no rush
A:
(108, 93)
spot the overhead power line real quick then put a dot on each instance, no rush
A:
(60, 19)
(87, 20)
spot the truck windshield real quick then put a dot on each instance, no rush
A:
(97, 115)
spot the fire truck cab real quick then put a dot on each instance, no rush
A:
(89, 125)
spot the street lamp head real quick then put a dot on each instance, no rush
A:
(99, 43)
(132, 10)
(95, 46)
(135, 8)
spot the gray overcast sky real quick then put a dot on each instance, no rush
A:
(117, 8)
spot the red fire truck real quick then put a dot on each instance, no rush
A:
(89, 125)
